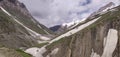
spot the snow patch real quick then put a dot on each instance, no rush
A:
(93, 54)
(54, 51)
(39, 26)
(36, 52)
(44, 38)
(46, 32)
(42, 41)
(111, 42)
(5, 11)
(105, 39)
(73, 31)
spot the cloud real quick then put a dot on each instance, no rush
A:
(54, 12)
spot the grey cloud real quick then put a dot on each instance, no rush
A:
(54, 12)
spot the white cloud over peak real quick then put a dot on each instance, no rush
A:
(54, 12)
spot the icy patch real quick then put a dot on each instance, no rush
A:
(73, 31)
(36, 52)
(111, 42)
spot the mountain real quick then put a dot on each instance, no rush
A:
(18, 29)
(55, 28)
(59, 29)
(102, 10)
(95, 37)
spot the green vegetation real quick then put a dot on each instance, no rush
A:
(63, 41)
(23, 53)
(41, 45)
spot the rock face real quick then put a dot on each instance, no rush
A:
(100, 39)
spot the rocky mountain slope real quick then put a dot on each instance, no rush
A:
(18, 27)
(19, 30)
(95, 37)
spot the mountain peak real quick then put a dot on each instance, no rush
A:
(109, 5)
(102, 10)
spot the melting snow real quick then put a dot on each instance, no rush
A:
(74, 30)
(111, 42)
(36, 52)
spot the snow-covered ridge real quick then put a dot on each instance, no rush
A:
(73, 23)
(73, 31)
(33, 33)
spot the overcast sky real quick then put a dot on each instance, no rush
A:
(55, 12)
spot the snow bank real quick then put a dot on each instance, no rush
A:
(36, 52)
(111, 42)
(44, 38)
(73, 31)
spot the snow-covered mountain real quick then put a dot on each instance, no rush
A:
(66, 26)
